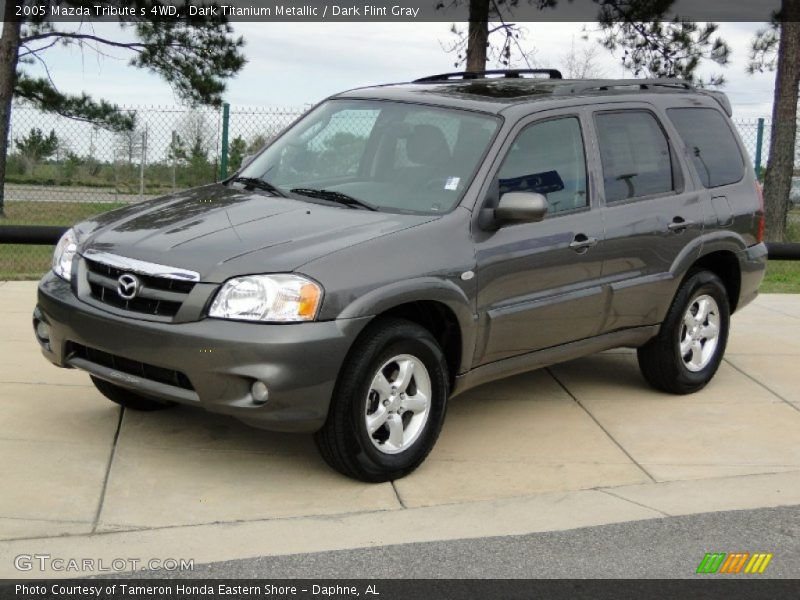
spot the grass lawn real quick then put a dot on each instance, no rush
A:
(21, 261)
(783, 277)
(53, 213)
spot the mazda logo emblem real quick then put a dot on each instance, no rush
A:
(128, 286)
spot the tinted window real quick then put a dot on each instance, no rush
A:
(548, 158)
(395, 156)
(635, 155)
(335, 148)
(711, 144)
(442, 135)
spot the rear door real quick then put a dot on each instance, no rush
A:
(718, 163)
(538, 282)
(652, 213)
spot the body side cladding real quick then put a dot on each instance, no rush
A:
(542, 358)
(711, 242)
(424, 289)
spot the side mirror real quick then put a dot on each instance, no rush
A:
(520, 207)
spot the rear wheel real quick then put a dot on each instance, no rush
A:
(127, 398)
(688, 349)
(389, 403)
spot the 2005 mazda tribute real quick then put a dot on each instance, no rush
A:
(401, 244)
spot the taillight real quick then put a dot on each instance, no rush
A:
(762, 217)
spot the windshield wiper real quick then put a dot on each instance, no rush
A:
(257, 182)
(338, 197)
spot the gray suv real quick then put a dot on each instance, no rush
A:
(401, 244)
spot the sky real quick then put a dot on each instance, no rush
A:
(293, 64)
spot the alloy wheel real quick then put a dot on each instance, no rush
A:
(699, 333)
(398, 404)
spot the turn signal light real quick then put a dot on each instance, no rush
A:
(309, 301)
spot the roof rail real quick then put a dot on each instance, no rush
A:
(501, 73)
(609, 84)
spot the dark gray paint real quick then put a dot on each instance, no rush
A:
(522, 297)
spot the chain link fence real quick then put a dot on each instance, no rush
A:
(61, 171)
(755, 134)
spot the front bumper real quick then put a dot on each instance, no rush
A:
(221, 359)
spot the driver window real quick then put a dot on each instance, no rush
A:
(548, 158)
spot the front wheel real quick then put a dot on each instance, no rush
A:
(688, 349)
(389, 403)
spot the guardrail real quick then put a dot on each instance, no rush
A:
(777, 251)
(45, 235)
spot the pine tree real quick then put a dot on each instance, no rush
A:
(195, 55)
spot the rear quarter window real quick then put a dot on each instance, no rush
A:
(711, 145)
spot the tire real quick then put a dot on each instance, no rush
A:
(389, 347)
(128, 398)
(684, 356)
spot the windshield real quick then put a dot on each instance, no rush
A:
(389, 155)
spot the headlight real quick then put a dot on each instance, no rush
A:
(65, 251)
(272, 298)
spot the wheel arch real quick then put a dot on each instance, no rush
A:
(718, 252)
(440, 306)
(725, 265)
(721, 253)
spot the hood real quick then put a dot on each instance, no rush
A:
(221, 232)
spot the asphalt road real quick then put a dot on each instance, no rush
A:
(671, 547)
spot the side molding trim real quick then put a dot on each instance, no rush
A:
(542, 358)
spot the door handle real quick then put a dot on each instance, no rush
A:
(679, 224)
(582, 243)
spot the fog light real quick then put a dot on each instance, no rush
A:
(260, 392)
(43, 331)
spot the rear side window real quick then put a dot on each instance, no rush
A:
(635, 155)
(711, 145)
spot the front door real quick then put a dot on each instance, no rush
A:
(538, 283)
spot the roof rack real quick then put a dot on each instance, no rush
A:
(648, 84)
(500, 73)
(589, 85)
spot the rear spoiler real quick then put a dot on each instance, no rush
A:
(721, 98)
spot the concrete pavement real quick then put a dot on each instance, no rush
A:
(580, 444)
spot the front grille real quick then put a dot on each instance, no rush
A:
(131, 367)
(159, 296)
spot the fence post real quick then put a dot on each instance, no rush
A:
(142, 163)
(223, 159)
(759, 145)
(173, 152)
